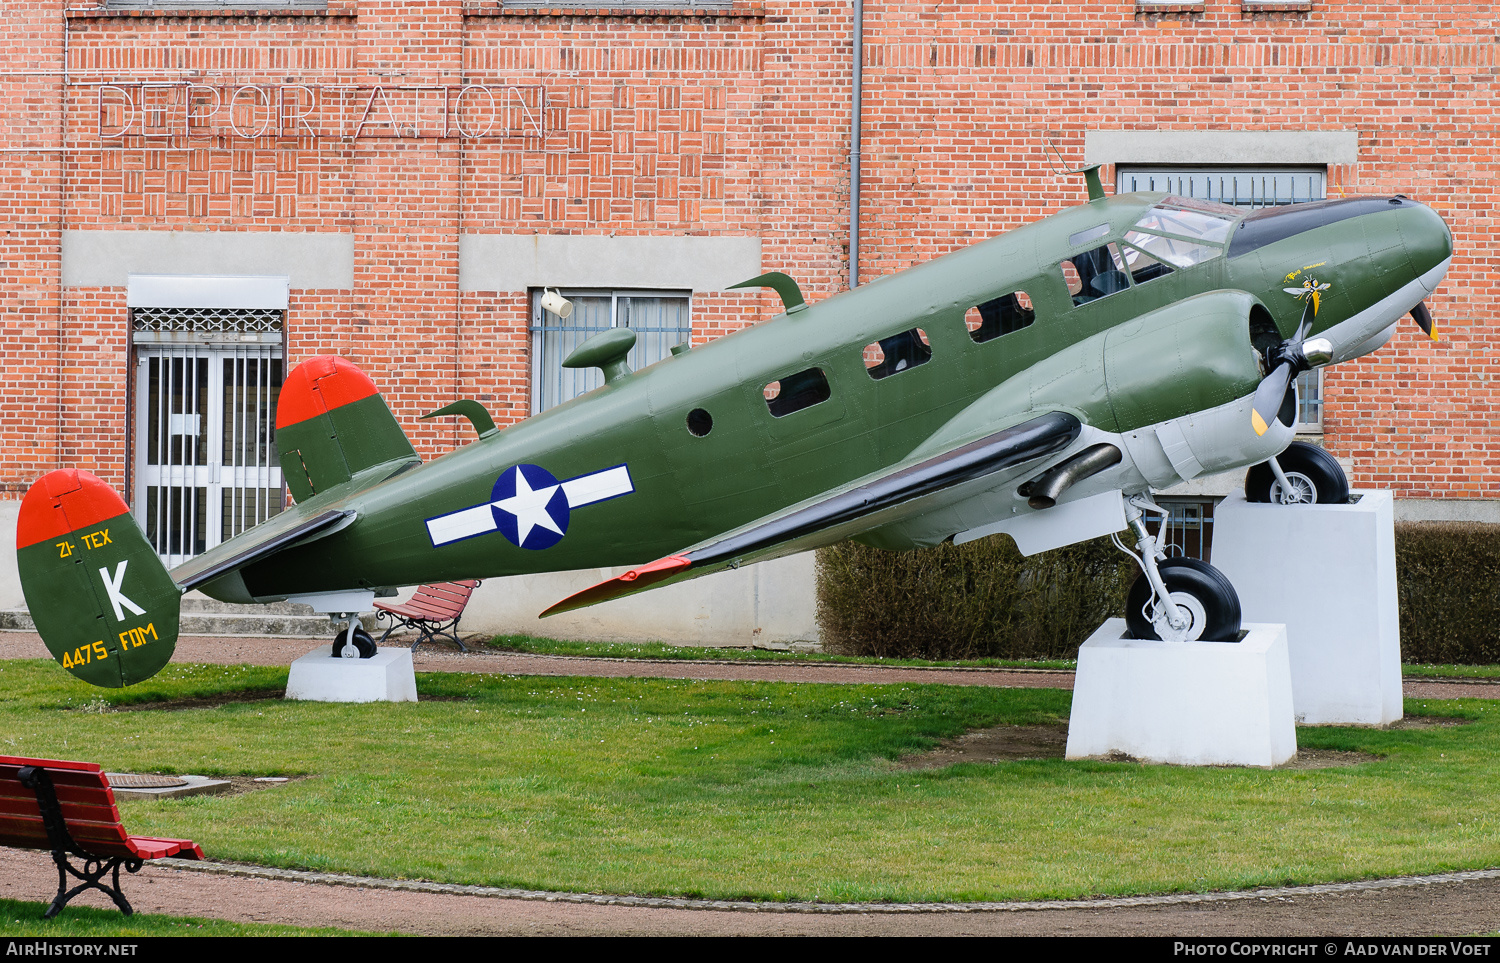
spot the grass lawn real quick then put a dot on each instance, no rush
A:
(18, 918)
(753, 790)
(663, 650)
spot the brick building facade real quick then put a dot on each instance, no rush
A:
(417, 171)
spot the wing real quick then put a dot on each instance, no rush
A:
(835, 515)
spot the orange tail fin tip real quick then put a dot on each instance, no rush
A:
(65, 501)
(319, 385)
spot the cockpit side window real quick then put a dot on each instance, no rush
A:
(1173, 250)
(1095, 274)
(1144, 267)
(1202, 221)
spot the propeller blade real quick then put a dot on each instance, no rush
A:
(1423, 317)
(1268, 397)
(1309, 312)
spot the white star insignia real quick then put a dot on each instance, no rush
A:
(529, 506)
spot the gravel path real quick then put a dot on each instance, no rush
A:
(1449, 904)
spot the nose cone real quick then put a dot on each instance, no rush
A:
(1428, 242)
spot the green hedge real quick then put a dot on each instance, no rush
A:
(984, 599)
(978, 600)
(1448, 577)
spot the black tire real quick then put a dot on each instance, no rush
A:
(363, 644)
(1304, 465)
(1205, 586)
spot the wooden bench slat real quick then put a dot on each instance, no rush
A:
(91, 812)
(50, 764)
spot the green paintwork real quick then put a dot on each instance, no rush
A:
(327, 450)
(785, 287)
(606, 351)
(475, 412)
(68, 600)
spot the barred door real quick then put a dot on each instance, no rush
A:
(206, 465)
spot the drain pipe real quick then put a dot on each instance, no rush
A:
(854, 126)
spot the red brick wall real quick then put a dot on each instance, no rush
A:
(704, 124)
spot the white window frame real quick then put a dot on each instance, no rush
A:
(1250, 186)
(551, 384)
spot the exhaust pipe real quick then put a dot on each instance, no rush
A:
(1044, 490)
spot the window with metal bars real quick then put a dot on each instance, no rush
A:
(660, 319)
(1251, 188)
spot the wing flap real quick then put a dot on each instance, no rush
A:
(844, 512)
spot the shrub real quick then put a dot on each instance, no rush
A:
(982, 599)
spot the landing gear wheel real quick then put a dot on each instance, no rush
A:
(1201, 592)
(1314, 475)
(363, 648)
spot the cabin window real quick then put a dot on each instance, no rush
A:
(899, 352)
(699, 422)
(795, 392)
(997, 316)
(1095, 274)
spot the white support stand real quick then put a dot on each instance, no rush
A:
(1184, 703)
(387, 677)
(1329, 573)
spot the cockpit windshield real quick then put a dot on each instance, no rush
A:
(1189, 218)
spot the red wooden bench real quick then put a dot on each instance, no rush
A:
(433, 611)
(68, 807)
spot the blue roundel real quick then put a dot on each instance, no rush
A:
(530, 507)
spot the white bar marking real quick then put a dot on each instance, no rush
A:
(461, 524)
(587, 489)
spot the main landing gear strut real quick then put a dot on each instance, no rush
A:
(352, 642)
(1175, 599)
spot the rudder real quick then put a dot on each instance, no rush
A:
(101, 598)
(331, 422)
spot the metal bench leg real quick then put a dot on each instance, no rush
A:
(94, 870)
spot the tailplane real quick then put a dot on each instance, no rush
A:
(101, 598)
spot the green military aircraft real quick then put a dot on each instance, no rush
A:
(1041, 384)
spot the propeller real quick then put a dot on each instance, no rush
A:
(1423, 317)
(1286, 360)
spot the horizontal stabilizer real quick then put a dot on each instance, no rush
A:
(262, 541)
(843, 512)
(331, 422)
(101, 599)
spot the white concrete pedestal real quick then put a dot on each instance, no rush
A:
(387, 677)
(1185, 703)
(1328, 572)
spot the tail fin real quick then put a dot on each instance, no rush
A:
(100, 597)
(330, 423)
